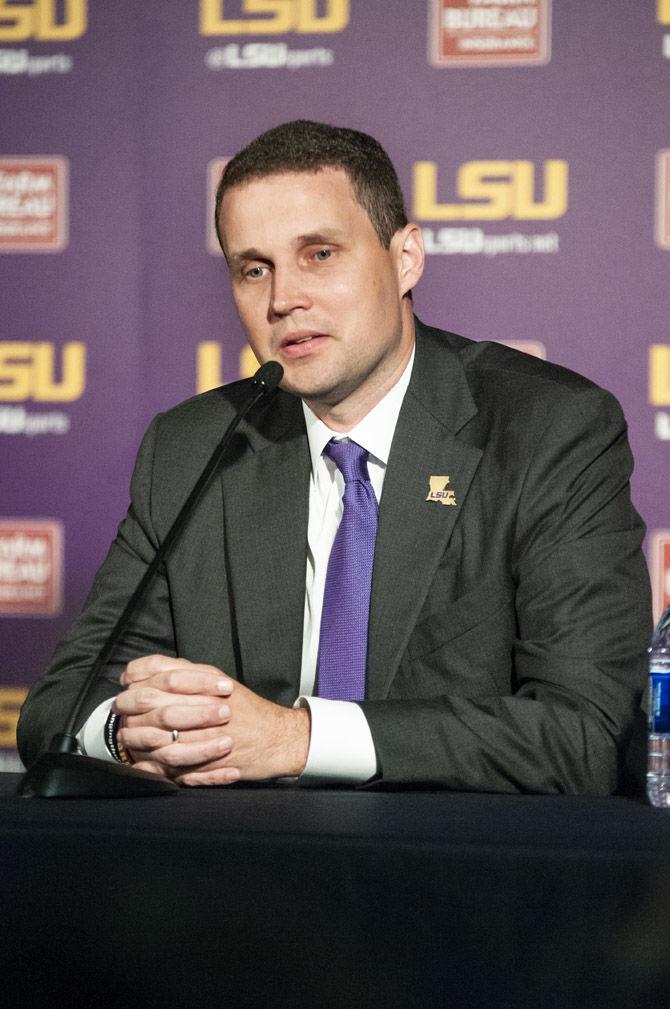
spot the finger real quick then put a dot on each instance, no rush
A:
(144, 699)
(194, 680)
(194, 755)
(136, 702)
(159, 747)
(163, 668)
(148, 665)
(181, 717)
(219, 776)
(151, 766)
(153, 738)
(155, 730)
(145, 739)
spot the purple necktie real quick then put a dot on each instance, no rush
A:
(343, 641)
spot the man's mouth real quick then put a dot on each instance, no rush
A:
(301, 344)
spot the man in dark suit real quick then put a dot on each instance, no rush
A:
(508, 610)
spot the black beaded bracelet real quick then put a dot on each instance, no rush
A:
(113, 744)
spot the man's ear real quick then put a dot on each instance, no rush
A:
(410, 256)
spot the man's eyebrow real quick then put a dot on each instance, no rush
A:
(325, 237)
(235, 258)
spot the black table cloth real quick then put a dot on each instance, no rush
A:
(277, 896)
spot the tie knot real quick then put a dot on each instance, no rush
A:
(351, 459)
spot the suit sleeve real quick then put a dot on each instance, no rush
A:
(576, 663)
(51, 699)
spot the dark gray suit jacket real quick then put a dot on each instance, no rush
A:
(507, 631)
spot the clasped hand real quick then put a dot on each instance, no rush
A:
(226, 732)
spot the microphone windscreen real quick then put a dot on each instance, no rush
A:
(268, 376)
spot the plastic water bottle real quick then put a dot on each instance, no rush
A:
(658, 765)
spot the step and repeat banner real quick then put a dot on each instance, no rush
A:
(532, 140)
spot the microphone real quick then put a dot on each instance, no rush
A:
(62, 772)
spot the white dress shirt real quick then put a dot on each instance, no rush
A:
(341, 747)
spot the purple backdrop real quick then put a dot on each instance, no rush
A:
(533, 144)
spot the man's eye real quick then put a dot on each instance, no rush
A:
(255, 272)
(323, 254)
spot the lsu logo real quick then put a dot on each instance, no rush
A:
(28, 371)
(660, 570)
(31, 567)
(11, 699)
(489, 33)
(33, 204)
(659, 374)
(208, 365)
(277, 17)
(663, 199)
(42, 20)
(439, 491)
(493, 191)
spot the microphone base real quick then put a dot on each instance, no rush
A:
(73, 776)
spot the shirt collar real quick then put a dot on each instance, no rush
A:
(374, 432)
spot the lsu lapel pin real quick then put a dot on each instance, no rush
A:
(438, 491)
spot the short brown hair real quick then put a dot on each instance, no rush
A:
(304, 146)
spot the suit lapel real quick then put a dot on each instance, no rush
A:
(265, 504)
(413, 532)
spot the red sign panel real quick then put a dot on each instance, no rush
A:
(33, 204)
(489, 33)
(31, 567)
(663, 199)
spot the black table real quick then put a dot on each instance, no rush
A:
(276, 896)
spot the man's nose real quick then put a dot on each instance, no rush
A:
(289, 291)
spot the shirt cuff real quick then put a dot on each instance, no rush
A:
(91, 736)
(341, 749)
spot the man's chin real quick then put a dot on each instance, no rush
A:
(311, 392)
(314, 391)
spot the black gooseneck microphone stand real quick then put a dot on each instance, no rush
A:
(63, 772)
